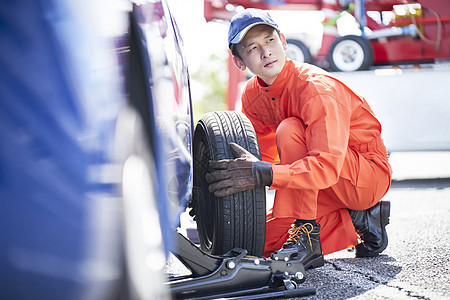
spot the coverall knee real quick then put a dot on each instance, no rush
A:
(361, 184)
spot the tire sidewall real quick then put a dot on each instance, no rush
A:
(208, 241)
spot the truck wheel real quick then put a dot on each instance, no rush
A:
(238, 220)
(350, 53)
(298, 51)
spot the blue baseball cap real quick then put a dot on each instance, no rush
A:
(242, 22)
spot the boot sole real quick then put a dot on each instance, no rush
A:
(291, 255)
(361, 251)
(315, 263)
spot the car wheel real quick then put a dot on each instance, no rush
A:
(298, 51)
(350, 53)
(144, 254)
(238, 220)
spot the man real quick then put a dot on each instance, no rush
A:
(321, 148)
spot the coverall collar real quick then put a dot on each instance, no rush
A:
(276, 88)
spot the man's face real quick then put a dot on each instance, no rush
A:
(262, 52)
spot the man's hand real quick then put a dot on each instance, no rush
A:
(231, 176)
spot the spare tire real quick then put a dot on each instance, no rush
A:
(238, 220)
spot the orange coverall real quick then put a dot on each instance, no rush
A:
(330, 152)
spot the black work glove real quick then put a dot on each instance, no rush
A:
(231, 176)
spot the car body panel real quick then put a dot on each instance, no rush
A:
(169, 86)
(62, 89)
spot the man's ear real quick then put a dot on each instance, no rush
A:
(283, 41)
(239, 64)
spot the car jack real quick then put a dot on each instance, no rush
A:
(236, 275)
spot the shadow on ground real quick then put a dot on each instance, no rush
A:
(343, 278)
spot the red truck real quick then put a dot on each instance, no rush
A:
(390, 32)
(413, 32)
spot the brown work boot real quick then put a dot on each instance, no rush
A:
(371, 227)
(302, 245)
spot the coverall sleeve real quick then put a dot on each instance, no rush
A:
(266, 138)
(327, 130)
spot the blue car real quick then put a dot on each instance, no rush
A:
(99, 156)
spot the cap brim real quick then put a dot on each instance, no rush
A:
(239, 37)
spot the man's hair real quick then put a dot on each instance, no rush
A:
(234, 51)
(234, 48)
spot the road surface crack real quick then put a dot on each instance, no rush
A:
(335, 266)
(408, 293)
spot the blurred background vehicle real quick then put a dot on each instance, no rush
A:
(383, 31)
(356, 35)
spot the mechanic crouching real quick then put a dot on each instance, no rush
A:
(321, 148)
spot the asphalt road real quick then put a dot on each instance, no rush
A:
(416, 263)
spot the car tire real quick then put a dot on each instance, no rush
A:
(142, 234)
(238, 220)
(350, 53)
(298, 51)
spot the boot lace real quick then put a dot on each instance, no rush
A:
(296, 231)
